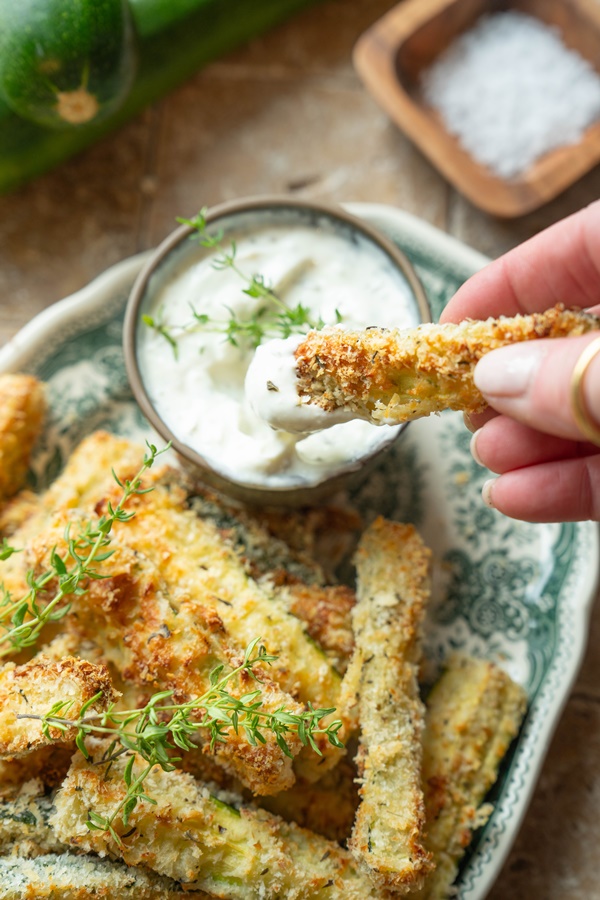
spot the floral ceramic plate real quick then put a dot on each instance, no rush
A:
(516, 593)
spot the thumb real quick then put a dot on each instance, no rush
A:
(531, 382)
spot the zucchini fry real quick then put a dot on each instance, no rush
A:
(22, 407)
(40, 865)
(291, 576)
(325, 534)
(327, 807)
(192, 555)
(83, 483)
(16, 511)
(160, 644)
(262, 553)
(24, 828)
(33, 688)
(65, 876)
(473, 713)
(387, 839)
(388, 376)
(88, 472)
(203, 842)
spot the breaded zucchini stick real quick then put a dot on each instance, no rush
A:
(160, 644)
(473, 713)
(22, 407)
(327, 806)
(192, 555)
(297, 581)
(33, 688)
(326, 534)
(65, 876)
(392, 589)
(388, 376)
(262, 552)
(202, 842)
(24, 828)
(16, 511)
(88, 472)
(83, 483)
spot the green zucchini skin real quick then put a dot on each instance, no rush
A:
(66, 63)
(167, 57)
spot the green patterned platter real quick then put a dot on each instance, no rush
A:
(513, 592)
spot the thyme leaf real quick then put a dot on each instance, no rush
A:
(6, 551)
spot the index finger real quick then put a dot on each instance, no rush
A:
(559, 265)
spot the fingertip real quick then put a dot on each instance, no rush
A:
(560, 491)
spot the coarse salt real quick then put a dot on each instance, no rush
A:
(510, 90)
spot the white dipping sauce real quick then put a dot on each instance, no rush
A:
(200, 394)
(272, 391)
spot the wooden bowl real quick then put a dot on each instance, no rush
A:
(391, 55)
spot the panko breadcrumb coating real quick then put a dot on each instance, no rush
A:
(389, 376)
(33, 688)
(22, 407)
(392, 589)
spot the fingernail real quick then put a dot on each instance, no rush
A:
(486, 492)
(468, 423)
(507, 372)
(473, 448)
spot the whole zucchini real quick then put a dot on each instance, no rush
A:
(65, 62)
(175, 37)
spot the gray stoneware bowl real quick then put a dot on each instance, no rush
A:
(237, 218)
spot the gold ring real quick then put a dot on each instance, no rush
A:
(581, 414)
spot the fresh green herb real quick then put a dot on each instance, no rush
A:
(6, 551)
(160, 727)
(159, 326)
(272, 319)
(29, 614)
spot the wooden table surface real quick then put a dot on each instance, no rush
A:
(286, 114)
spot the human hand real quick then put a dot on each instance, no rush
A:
(547, 469)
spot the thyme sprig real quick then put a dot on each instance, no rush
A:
(72, 571)
(272, 319)
(160, 727)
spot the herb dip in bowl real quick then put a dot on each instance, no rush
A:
(229, 280)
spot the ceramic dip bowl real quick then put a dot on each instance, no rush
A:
(256, 270)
